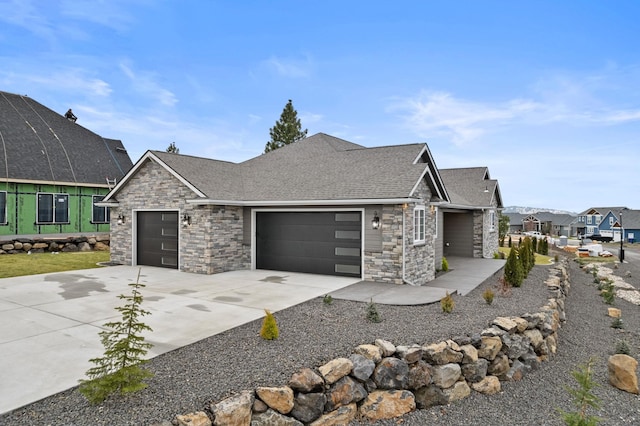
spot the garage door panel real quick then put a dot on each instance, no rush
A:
(314, 242)
(157, 239)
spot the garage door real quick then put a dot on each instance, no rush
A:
(158, 239)
(327, 243)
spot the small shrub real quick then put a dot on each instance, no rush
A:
(617, 323)
(510, 241)
(513, 273)
(445, 264)
(609, 294)
(119, 369)
(447, 303)
(488, 296)
(372, 313)
(504, 288)
(327, 299)
(583, 398)
(622, 347)
(556, 258)
(269, 330)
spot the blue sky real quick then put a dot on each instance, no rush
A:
(544, 93)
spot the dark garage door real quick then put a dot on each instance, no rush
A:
(158, 239)
(327, 243)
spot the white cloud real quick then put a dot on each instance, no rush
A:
(66, 80)
(145, 83)
(462, 120)
(292, 68)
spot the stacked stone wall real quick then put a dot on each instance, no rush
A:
(55, 244)
(382, 381)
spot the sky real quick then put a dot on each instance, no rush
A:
(546, 94)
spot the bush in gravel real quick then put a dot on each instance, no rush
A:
(510, 241)
(583, 398)
(617, 323)
(119, 369)
(622, 347)
(372, 313)
(447, 303)
(488, 296)
(445, 264)
(513, 274)
(327, 299)
(609, 294)
(269, 330)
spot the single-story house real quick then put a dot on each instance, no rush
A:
(321, 205)
(53, 171)
(547, 223)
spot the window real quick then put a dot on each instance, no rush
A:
(53, 208)
(589, 218)
(3, 207)
(492, 220)
(419, 225)
(598, 219)
(610, 220)
(100, 214)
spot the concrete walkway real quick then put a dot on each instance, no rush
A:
(49, 324)
(464, 275)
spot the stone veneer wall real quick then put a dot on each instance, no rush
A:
(213, 241)
(383, 381)
(52, 244)
(386, 266)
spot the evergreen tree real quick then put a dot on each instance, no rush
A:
(510, 242)
(173, 148)
(524, 254)
(503, 227)
(119, 369)
(287, 130)
(532, 256)
(513, 269)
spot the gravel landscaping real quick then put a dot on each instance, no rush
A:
(312, 333)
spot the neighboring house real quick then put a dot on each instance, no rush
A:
(547, 223)
(609, 222)
(321, 205)
(53, 171)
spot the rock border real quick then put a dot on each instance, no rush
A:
(98, 242)
(384, 381)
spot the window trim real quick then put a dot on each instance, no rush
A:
(3, 209)
(419, 225)
(107, 211)
(54, 196)
(492, 220)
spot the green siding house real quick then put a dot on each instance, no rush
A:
(53, 171)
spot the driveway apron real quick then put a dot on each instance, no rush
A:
(49, 324)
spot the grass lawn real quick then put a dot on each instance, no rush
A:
(15, 265)
(540, 259)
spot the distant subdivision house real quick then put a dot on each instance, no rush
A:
(53, 171)
(609, 222)
(547, 223)
(322, 205)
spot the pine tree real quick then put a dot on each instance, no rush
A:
(513, 269)
(287, 130)
(119, 369)
(524, 257)
(173, 148)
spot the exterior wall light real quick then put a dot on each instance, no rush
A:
(375, 222)
(186, 220)
(432, 209)
(121, 219)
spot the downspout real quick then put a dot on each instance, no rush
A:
(404, 245)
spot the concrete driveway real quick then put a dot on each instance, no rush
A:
(49, 324)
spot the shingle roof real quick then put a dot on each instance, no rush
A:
(39, 144)
(471, 186)
(320, 167)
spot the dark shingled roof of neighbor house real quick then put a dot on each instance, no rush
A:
(39, 144)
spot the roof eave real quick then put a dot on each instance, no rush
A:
(256, 203)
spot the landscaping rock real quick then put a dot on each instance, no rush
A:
(340, 417)
(273, 418)
(391, 373)
(458, 391)
(371, 352)
(490, 347)
(387, 404)
(199, 418)
(235, 410)
(277, 398)
(336, 369)
(489, 385)
(419, 375)
(430, 396)
(344, 392)
(622, 372)
(362, 367)
(386, 347)
(306, 380)
(475, 371)
(446, 375)
(308, 406)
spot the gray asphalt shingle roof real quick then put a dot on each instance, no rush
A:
(471, 186)
(320, 167)
(39, 144)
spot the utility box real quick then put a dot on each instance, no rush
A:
(562, 241)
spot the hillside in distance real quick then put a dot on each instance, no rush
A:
(531, 210)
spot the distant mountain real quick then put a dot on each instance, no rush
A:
(531, 210)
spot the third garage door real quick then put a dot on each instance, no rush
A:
(328, 243)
